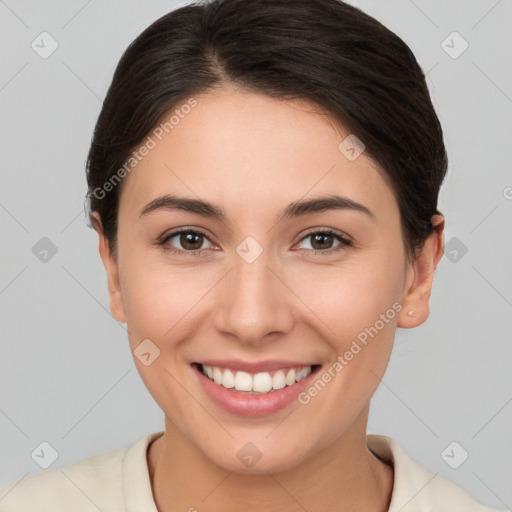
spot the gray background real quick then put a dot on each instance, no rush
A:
(67, 375)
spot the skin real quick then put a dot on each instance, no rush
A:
(253, 155)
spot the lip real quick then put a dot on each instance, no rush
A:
(252, 405)
(254, 367)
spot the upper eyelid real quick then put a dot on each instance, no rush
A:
(330, 231)
(179, 231)
(342, 236)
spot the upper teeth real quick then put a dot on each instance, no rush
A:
(260, 382)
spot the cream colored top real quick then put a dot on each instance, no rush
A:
(118, 481)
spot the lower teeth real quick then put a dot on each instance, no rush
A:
(252, 392)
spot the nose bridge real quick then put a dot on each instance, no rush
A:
(253, 303)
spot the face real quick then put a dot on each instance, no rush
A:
(267, 286)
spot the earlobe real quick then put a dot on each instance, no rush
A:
(112, 270)
(415, 302)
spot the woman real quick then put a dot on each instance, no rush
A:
(263, 178)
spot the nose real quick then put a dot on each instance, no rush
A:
(253, 303)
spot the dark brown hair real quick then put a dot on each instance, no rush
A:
(326, 52)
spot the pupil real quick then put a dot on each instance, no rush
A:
(187, 240)
(321, 238)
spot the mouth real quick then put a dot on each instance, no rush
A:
(253, 393)
(256, 383)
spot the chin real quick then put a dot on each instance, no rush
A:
(253, 458)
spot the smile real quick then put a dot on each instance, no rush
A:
(253, 389)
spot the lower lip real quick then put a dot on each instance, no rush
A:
(252, 405)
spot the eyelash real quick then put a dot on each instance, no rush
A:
(344, 242)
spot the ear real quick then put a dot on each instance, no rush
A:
(111, 267)
(419, 278)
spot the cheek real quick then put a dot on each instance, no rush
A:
(357, 313)
(353, 297)
(357, 316)
(158, 308)
(161, 300)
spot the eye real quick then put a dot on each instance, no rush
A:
(322, 241)
(191, 241)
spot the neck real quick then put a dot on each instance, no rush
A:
(344, 476)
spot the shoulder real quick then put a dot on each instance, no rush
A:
(96, 483)
(91, 484)
(415, 488)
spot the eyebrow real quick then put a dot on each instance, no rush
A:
(293, 210)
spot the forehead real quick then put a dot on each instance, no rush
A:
(243, 149)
